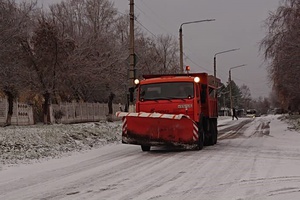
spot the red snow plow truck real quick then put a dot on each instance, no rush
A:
(172, 110)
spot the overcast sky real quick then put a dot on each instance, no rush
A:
(239, 24)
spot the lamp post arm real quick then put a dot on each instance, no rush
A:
(226, 51)
(192, 22)
(180, 39)
(237, 66)
(231, 101)
(215, 65)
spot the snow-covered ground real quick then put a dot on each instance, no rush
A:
(261, 163)
(25, 144)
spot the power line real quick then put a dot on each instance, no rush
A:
(245, 81)
(187, 57)
(140, 9)
(145, 28)
(162, 27)
(154, 14)
(184, 54)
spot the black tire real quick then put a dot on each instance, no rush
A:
(145, 148)
(206, 125)
(200, 140)
(215, 123)
(211, 133)
(201, 137)
(214, 133)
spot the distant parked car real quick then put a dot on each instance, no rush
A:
(251, 113)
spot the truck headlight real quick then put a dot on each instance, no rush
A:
(197, 79)
(136, 81)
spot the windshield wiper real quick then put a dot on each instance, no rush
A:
(165, 98)
(149, 99)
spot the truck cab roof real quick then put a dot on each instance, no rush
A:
(159, 78)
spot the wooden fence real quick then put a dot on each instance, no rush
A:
(22, 113)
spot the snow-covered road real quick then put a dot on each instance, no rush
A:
(259, 160)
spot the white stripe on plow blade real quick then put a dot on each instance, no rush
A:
(195, 132)
(151, 115)
(124, 127)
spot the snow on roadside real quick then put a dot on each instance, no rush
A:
(224, 120)
(293, 121)
(24, 144)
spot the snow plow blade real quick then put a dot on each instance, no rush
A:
(155, 129)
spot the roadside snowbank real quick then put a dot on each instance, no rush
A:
(23, 144)
(293, 121)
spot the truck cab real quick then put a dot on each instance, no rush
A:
(172, 110)
(177, 94)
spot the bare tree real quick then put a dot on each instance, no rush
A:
(14, 21)
(236, 95)
(281, 47)
(47, 52)
(100, 53)
(245, 96)
(262, 105)
(158, 55)
(167, 50)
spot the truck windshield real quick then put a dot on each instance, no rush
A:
(174, 90)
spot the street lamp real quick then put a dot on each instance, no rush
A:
(224, 104)
(180, 39)
(231, 104)
(215, 66)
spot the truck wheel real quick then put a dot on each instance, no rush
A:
(145, 148)
(211, 138)
(200, 134)
(200, 140)
(213, 132)
(216, 131)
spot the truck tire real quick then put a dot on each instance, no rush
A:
(212, 133)
(216, 130)
(201, 136)
(145, 148)
(200, 139)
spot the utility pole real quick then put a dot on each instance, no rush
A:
(230, 91)
(230, 85)
(181, 50)
(215, 68)
(131, 60)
